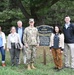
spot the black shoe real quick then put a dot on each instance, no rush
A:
(55, 68)
(72, 68)
(66, 67)
(59, 69)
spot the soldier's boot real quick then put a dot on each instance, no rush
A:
(28, 67)
(32, 66)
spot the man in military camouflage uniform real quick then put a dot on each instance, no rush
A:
(31, 41)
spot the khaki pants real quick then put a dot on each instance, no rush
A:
(57, 56)
(69, 55)
(24, 55)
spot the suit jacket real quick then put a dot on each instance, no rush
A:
(22, 34)
(69, 33)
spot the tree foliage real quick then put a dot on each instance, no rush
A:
(36, 8)
(43, 11)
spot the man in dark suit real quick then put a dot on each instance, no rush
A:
(20, 31)
(68, 30)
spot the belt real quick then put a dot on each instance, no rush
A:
(12, 43)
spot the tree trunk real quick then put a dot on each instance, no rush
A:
(40, 21)
(25, 13)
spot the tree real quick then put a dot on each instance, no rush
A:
(37, 8)
(58, 12)
(43, 11)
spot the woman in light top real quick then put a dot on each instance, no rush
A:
(2, 46)
(12, 41)
(57, 47)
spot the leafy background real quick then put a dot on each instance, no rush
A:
(49, 12)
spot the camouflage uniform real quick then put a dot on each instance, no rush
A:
(31, 38)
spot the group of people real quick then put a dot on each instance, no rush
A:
(27, 40)
(19, 39)
(62, 42)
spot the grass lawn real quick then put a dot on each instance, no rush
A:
(41, 68)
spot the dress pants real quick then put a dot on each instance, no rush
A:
(69, 55)
(14, 53)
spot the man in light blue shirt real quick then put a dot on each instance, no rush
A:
(20, 31)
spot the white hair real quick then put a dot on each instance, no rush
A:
(19, 21)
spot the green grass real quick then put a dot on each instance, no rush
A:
(41, 68)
